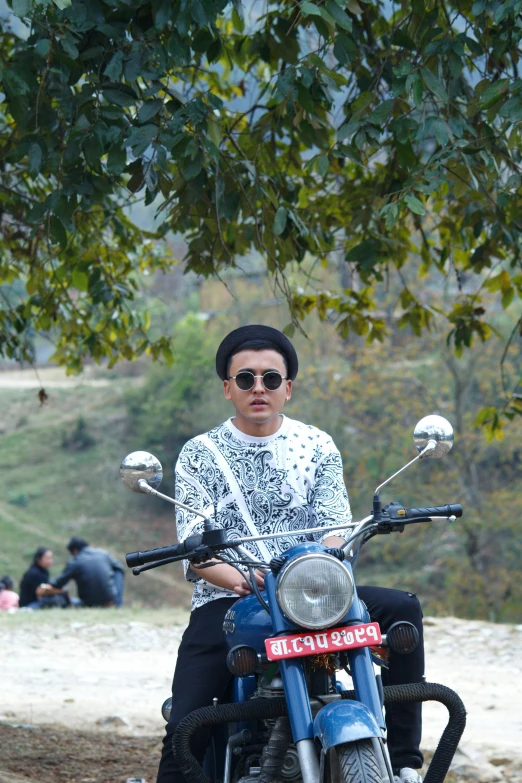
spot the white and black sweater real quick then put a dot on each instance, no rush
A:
(288, 481)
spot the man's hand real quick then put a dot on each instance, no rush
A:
(225, 575)
(334, 542)
(243, 589)
(45, 590)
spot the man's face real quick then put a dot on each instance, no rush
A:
(257, 405)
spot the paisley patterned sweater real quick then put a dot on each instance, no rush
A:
(288, 481)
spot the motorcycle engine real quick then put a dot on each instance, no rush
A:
(291, 771)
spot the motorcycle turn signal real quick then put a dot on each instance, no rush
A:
(242, 660)
(402, 638)
(166, 709)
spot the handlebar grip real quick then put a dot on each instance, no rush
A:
(134, 559)
(450, 510)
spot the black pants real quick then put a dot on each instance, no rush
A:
(201, 674)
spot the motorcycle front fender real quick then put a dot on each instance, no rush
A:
(344, 721)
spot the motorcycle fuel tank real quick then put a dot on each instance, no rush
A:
(246, 622)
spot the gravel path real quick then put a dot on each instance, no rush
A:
(113, 678)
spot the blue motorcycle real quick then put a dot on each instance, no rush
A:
(290, 718)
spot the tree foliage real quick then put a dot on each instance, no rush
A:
(386, 135)
(178, 403)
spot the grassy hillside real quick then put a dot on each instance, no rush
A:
(59, 464)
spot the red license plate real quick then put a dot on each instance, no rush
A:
(316, 643)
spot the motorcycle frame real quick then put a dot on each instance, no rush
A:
(338, 722)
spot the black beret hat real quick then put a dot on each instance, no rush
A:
(234, 342)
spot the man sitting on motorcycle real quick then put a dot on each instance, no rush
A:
(261, 472)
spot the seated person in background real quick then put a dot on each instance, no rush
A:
(8, 598)
(36, 575)
(98, 575)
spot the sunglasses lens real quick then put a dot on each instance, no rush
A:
(244, 380)
(272, 380)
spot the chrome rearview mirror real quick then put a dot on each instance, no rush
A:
(139, 466)
(433, 435)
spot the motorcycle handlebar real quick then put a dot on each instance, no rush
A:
(134, 559)
(449, 510)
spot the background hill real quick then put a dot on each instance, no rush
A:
(59, 461)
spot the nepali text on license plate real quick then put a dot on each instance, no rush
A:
(316, 643)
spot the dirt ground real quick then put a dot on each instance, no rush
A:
(80, 699)
(53, 754)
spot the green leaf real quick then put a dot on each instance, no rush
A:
(289, 330)
(348, 130)
(35, 159)
(62, 4)
(340, 16)
(42, 47)
(58, 232)
(401, 38)
(382, 112)
(441, 131)
(214, 51)
(414, 204)
(138, 139)
(192, 166)
(80, 280)
(64, 209)
(417, 91)
(309, 9)
(163, 15)
(323, 165)
(484, 415)
(433, 84)
(391, 213)
(93, 151)
(114, 67)
(21, 7)
(116, 159)
(362, 102)
(198, 13)
(69, 46)
(203, 40)
(214, 130)
(366, 253)
(149, 110)
(507, 297)
(280, 219)
(345, 49)
(119, 98)
(492, 93)
(137, 181)
(512, 109)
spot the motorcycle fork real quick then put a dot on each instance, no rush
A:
(361, 664)
(296, 692)
(381, 752)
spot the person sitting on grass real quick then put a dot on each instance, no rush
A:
(8, 598)
(98, 576)
(35, 576)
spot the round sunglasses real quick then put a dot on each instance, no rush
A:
(272, 380)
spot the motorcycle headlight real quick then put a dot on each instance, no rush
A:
(315, 590)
